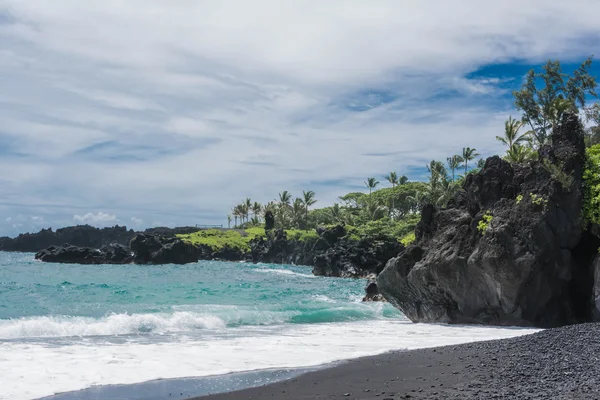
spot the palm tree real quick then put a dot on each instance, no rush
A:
(468, 155)
(229, 221)
(402, 180)
(374, 210)
(308, 200)
(247, 207)
(336, 213)
(518, 153)
(481, 163)
(371, 183)
(454, 163)
(511, 133)
(417, 200)
(237, 212)
(297, 211)
(393, 179)
(256, 209)
(285, 198)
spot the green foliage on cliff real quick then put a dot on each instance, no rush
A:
(385, 227)
(591, 178)
(485, 222)
(408, 239)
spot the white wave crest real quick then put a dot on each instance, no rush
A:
(284, 272)
(116, 324)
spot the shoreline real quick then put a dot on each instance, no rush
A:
(183, 388)
(555, 363)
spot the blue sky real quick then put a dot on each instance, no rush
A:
(155, 112)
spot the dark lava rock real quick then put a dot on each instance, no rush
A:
(331, 254)
(68, 254)
(80, 235)
(372, 292)
(533, 264)
(351, 258)
(153, 249)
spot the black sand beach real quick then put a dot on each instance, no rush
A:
(560, 363)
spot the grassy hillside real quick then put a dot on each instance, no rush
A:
(238, 239)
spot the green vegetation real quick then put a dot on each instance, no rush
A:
(519, 199)
(543, 99)
(543, 106)
(239, 239)
(558, 174)
(591, 178)
(538, 200)
(484, 223)
(408, 239)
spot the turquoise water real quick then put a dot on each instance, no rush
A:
(65, 327)
(236, 293)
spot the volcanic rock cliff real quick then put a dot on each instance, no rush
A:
(511, 249)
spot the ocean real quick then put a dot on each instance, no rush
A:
(64, 327)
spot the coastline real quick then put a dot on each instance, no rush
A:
(558, 363)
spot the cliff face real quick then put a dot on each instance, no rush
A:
(332, 254)
(510, 249)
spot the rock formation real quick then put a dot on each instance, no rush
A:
(82, 236)
(331, 254)
(144, 249)
(511, 249)
(68, 254)
(153, 249)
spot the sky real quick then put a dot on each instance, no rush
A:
(168, 113)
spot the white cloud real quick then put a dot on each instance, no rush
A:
(91, 218)
(180, 109)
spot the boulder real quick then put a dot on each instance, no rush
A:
(372, 293)
(506, 251)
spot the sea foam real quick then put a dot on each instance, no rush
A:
(35, 369)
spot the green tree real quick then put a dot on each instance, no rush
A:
(371, 184)
(403, 180)
(468, 154)
(454, 163)
(543, 107)
(308, 200)
(511, 133)
(229, 221)
(393, 179)
(285, 198)
(257, 209)
(297, 210)
(247, 204)
(519, 154)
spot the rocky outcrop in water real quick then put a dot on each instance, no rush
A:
(372, 292)
(511, 249)
(68, 254)
(144, 249)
